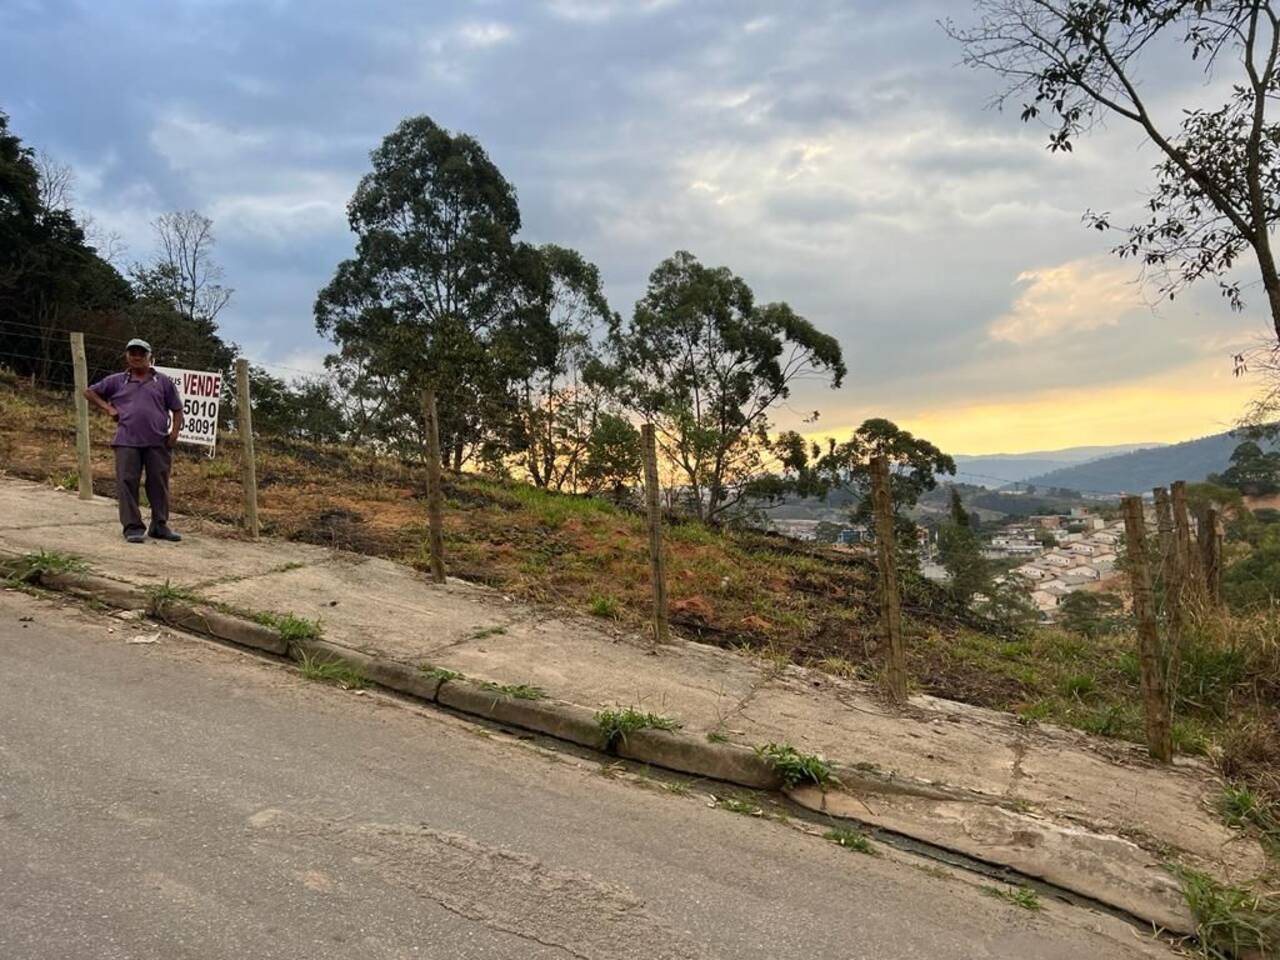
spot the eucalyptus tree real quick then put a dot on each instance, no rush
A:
(429, 290)
(707, 364)
(558, 403)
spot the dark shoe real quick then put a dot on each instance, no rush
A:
(164, 533)
(135, 536)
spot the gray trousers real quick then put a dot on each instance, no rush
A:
(130, 462)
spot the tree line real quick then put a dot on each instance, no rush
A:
(534, 372)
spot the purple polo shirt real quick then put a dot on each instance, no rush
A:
(144, 407)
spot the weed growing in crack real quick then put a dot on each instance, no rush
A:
(291, 628)
(167, 593)
(715, 736)
(32, 566)
(740, 806)
(336, 672)
(440, 673)
(1023, 897)
(520, 691)
(616, 725)
(795, 767)
(850, 839)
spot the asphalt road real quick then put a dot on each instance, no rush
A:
(183, 800)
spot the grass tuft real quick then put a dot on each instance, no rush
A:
(440, 673)
(605, 607)
(1230, 921)
(740, 806)
(616, 725)
(854, 840)
(32, 566)
(1023, 897)
(520, 691)
(291, 628)
(167, 593)
(336, 672)
(795, 767)
(715, 736)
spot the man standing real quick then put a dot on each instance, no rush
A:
(140, 400)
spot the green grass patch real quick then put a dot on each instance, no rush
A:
(795, 767)
(520, 691)
(715, 736)
(167, 593)
(291, 628)
(1023, 897)
(327, 670)
(616, 725)
(740, 806)
(603, 606)
(440, 673)
(1231, 921)
(30, 567)
(850, 839)
(66, 481)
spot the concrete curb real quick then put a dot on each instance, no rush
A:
(200, 618)
(669, 750)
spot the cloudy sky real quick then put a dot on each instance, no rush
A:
(834, 155)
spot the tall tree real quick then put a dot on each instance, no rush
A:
(184, 270)
(51, 280)
(707, 364)
(430, 286)
(1077, 63)
(557, 403)
(810, 469)
(1252, 472)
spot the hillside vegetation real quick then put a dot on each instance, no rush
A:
(1143, 470)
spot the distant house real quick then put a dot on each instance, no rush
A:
(1057, 558)
(1079, 576)
(1056, 587)
(1033, 572)
(1085, 549)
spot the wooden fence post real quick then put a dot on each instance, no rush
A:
(1155, 695)
(657, 558)
(83, 463)
(249, 464)
(1189, 557)
(435, 490)
(1210, 535)
(1172, 570)
(890, 599)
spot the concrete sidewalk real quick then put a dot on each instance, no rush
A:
(1092, 815)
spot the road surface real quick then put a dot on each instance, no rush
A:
(180, 799)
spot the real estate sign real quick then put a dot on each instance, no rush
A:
(201, 392)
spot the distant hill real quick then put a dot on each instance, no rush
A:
(1140, 471)
(999, 469)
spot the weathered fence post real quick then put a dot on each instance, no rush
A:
(1155, 695)
(1210, 535)
(249, 464)
(890, 599)
(653, 509)
(1172, 571)
(435, 491)
(83, 464)
(1192, 573)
